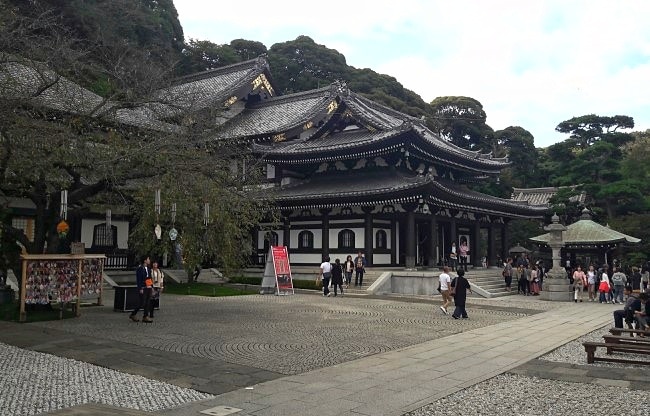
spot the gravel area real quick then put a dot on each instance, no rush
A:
(509, 394)
(34, 383)
(497, 396)
(574, 352)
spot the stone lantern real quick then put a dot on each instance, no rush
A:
(556, 285)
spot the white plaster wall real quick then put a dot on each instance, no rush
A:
(303, 258)
(381, 259)
(88, 227)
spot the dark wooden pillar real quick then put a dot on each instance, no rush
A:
(368, 234)
(433, 239)
(255, 259)
(491, 249)
(393, 241)
(475, 255)
(410, 234)
(325, 213)
(504, 242)
(286, 229)
(453, 235)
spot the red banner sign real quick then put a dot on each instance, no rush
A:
(282, 269)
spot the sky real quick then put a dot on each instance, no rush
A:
(530, 63)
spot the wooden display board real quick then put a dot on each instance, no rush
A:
(60, 278)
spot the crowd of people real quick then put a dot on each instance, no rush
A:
(337, 274)
(528, 275)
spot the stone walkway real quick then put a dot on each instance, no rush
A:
(304, 354)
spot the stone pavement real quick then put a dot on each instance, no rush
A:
(304, 354)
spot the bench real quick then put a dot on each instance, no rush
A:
(631, 332)
(590, 348)
(619, 339)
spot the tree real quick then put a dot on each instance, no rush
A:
(107, 149)
(520, 147)
(462, 121)
(592, 157)
(203, 55)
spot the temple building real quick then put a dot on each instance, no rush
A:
(349, 175)
(345, 173)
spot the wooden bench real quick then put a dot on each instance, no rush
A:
(620, 339)
(590, 348)
(631, 332)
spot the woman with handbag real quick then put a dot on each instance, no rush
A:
(459, 288)
(157, 276)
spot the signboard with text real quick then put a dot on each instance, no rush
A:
(282, 269)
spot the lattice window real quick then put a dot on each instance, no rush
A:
(104, 236)
(380, 239)
(346, 239)
(25, 224)
(306, 239)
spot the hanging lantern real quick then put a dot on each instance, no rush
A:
(62, 229)
(158, 231)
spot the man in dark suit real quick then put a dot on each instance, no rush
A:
(145, 285)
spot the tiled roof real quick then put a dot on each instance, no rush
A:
(389, 185)
(45, 88)
(588, 232)
(211, 88)
(277, 114)
(343, 140)
(542, 196)
(451, 195)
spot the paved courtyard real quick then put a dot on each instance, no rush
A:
(265, 355)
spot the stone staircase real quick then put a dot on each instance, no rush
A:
(490, 281)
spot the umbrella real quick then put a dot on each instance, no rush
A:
(518, 249)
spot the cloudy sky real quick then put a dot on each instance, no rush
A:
(530, 63)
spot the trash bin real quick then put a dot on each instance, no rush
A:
(127, 298)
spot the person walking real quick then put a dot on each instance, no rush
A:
(534, 281)
(460, 286)
(579, 283)
(445, 289)
(157, 276)
(145, 284)
(619, 281)
(507, 274)
(359, 268)
(603, 287)
(591, 281)
(348, 269)
(337, 276)
(325, 275)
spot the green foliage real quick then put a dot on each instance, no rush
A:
(521, 230)
(635, 225)
(519, 145)
(462, 121)
(205, 289)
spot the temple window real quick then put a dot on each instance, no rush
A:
(380, 239)
(346, 239)
(104, 236)
(306, 239)
(270, 239)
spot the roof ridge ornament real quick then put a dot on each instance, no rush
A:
(586, 214)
